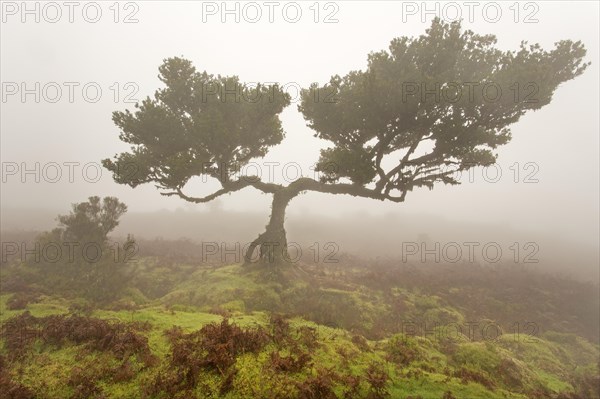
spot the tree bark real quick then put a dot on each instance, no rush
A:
(272, 244)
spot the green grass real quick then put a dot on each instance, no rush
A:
(422, 365)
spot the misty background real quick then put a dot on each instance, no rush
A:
(547, 193)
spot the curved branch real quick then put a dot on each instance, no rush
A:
(229, 187)
(403, 162)
(308, 184)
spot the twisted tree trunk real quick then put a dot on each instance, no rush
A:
(272, 244)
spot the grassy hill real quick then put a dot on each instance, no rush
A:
(345, 330)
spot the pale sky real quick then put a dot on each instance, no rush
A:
(555, 149)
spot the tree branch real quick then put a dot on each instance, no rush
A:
(385, 178)
(229, 187)
(308, 184)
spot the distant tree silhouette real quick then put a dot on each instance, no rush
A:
(91, 221)
(78, 257)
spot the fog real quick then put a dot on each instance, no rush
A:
(349, 269)
(401, 238)
(547, 189)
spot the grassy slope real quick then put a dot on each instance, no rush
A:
(544, 364)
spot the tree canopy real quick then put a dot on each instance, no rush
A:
(76, 258)
(197, 124)
(421, 111)
(439, 103)
(91, 221)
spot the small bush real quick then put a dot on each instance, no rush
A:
(10, 389)
(289, 364)
(317, 387)
(308, 337)
(361, 343)
(402, 350)
(378, 380)
(20, 300)
(215, 348)
(21, 331)
(280, 329)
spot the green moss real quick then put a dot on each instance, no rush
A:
(478, 355)
(426, 365)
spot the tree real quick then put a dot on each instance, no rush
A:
(91, 221)
(76, 257)
(422, 111)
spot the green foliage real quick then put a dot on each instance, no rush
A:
(402, 350)
(91, 221)
(223, 358)
(354, 163)
(197, 124)
(9, 388)
(214, 348)
(181, 351)
(76, 258)
(478, 355)
(369, 114)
